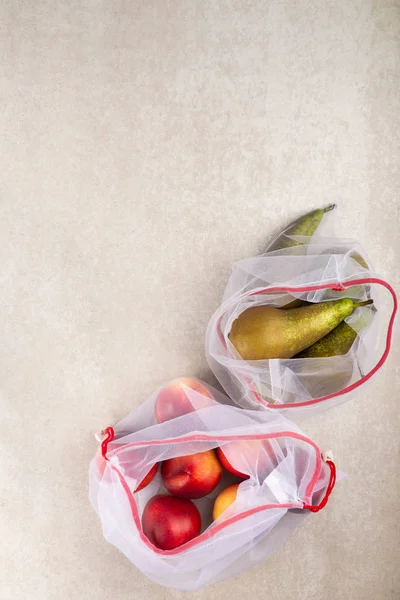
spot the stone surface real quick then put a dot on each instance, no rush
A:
(144, 147)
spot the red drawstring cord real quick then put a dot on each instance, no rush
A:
(329, 489)
(109, 433)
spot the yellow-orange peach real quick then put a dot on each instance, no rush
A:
(224, 500)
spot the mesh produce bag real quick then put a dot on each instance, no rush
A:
(314, 270)
(286, 479)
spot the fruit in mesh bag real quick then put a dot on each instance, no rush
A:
(339, 340)
(101, 464)
(303, 226)
(192, 476)
(147, 479)
(224, 500)
(255, 456)
(227, 465)
(263, 332)
(172, 400)
(169, 522)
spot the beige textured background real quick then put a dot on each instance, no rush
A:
(145, 146)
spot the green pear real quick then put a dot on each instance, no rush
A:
(305, 225)
(339, 340)
(293, 304)
(263, 332)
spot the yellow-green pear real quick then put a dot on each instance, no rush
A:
(263, 332)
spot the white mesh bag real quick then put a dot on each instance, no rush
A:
(286, 480)
(314, 270)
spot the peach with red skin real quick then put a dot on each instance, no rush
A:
(227, 465)
(169, 522)
(192, 476)
(172, 401)
(257, 453)
(147, 479)
(101, 464)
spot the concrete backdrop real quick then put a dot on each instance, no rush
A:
(144, 147)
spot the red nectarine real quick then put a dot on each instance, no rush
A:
(254, 456)
(173, 402)
(169, 522)
(191, 476)
(146, 480)
(227, 465)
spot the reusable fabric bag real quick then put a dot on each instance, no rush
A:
(287, 479)
(317, 269)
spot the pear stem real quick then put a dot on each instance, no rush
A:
(330, 207)
(365, 303)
